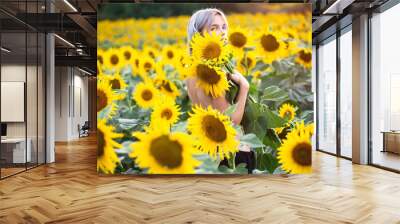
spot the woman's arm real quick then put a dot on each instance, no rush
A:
(241, 97)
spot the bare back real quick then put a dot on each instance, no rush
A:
(199, 97)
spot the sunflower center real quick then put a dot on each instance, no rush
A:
(167, 114)
(302, 154)
(247, 63)
(214, 128)
(100, 143)
(127, 55)
(151, 54)
(170, 54)
(114, 59)
(101, 100)
(288, 114)
(269, 43)
(115, 84)
(147, 95)
(167, 86)
(207, 74)
(147, 66)
(137, 62)
(306, 57)
(238, 39)
(211, 51)
(166, 152)
(100, 59)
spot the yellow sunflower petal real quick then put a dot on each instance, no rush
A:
(107, 159)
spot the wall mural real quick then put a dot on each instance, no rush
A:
(204, 88)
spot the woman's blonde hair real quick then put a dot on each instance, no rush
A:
(201, 19)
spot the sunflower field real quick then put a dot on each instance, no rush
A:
(147, 123)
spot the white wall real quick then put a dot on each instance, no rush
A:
(71, 93)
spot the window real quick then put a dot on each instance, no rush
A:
(327, 96)
(385, 89)
(346, 93)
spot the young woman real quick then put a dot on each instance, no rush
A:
(214, 20)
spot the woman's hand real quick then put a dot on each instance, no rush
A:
(240, 80)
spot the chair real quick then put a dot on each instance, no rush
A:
(84, 130)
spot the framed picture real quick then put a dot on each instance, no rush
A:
(202, 88)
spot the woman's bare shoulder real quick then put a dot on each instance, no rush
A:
(190, 82)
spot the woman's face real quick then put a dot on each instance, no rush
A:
(218, 25)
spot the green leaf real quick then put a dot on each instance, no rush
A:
(272, 119)
(126, 148)
(128, 123)
(274, 93)
(271, 139)
(241, 169)
(307, 116)
(252, 140)
(278, 171)
(230, 95)
(268, 162)
(179, 127)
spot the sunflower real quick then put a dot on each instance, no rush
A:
(117, 84)
(301, 129)
(136, 63)
(209, 48)
(164, 153)
(270, 46)
(146, 65)
(168, 88)
(100, 57)
(169, 54)
(287, 111)
(210, 78)
(247, 62)
(257, 74)
(116, 81)
(238, 39)
(303, 57)
(99, 68)
(128, 53)
(183, 67)
(105, 96)
(145, 94)
(150, 52)
(113, 59)
(213, 131)
(295, 153)
(165, 112)
(107, 159)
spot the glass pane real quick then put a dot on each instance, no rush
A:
(386, 89)
(346, 94)
(314, 76)
(13, 87)
(32, 87)
(327, 97)
(31, 99)
(41, 98)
